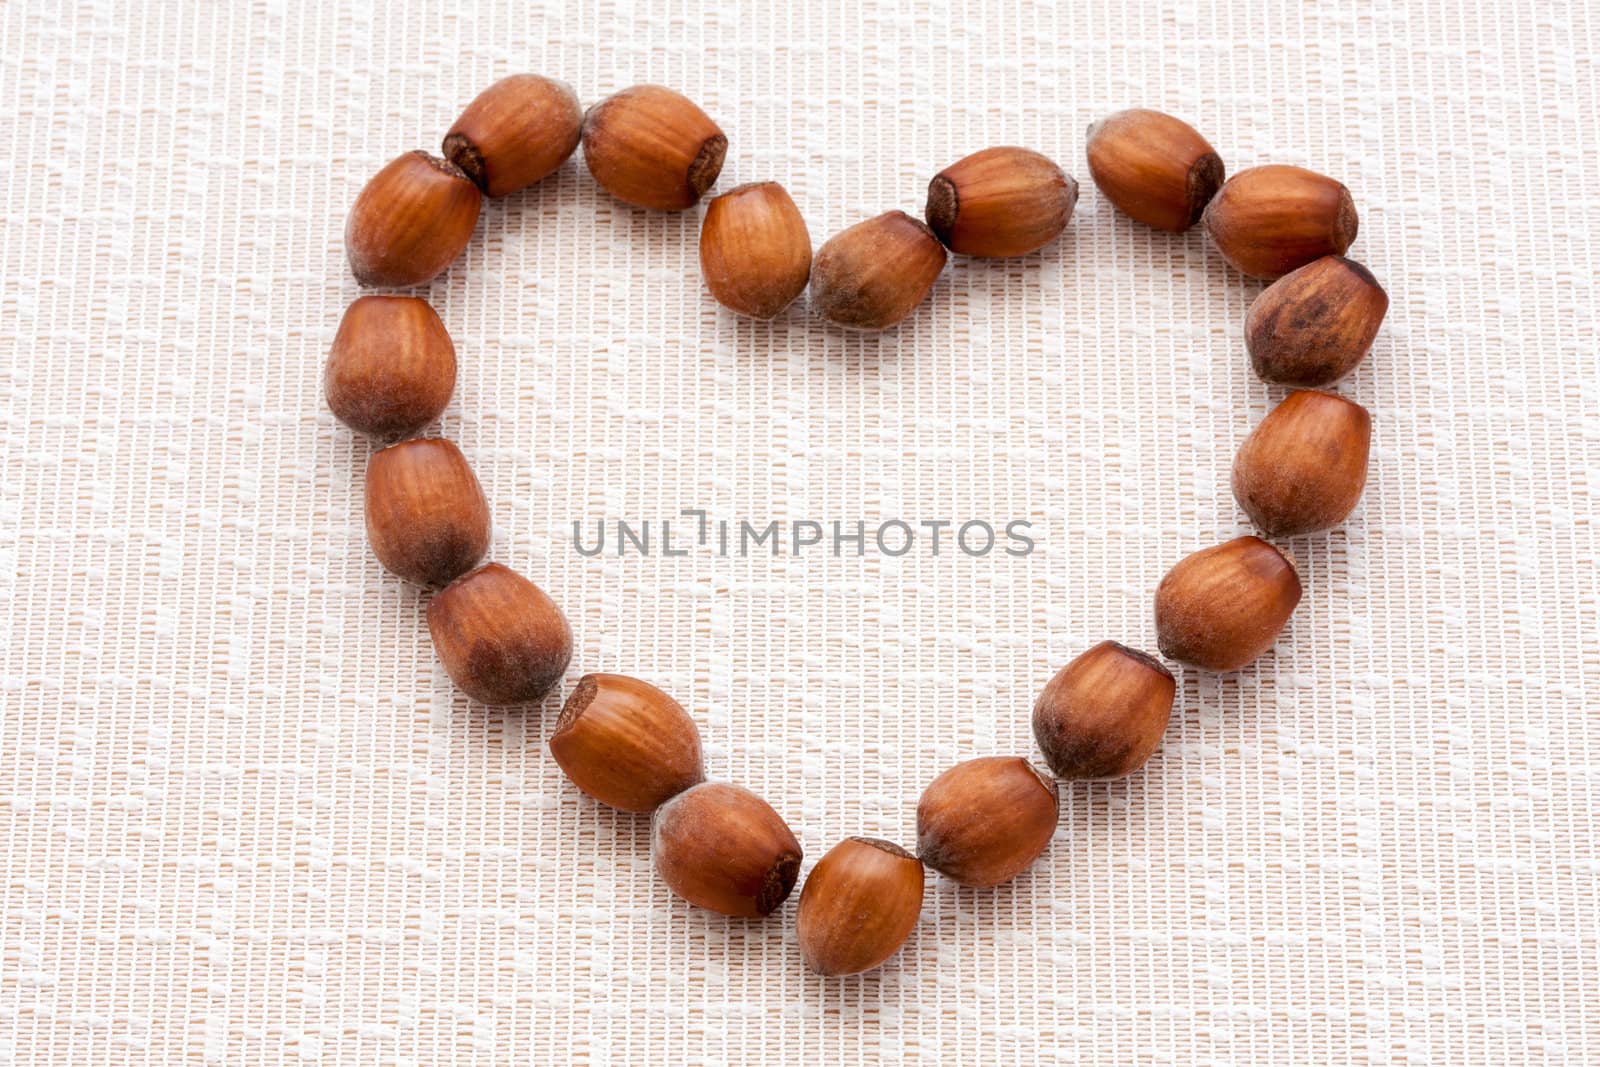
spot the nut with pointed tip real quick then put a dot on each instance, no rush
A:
(653, 148)
(1303, 469)
(427, 519)
(1315, 324)
(1103, 714)
(515, 132)
(502, 641)
(1221, 607)
(626, 743)
(755, 250)
(859, 904)
(984, 821)
(875, 273)
(411, 221)
(1267, 221)
(1000, 202)
(723, 848)
(1155, 169)
(392, 367)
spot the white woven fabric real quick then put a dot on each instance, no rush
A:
(244, 818)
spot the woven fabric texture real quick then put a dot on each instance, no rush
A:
(246, 819)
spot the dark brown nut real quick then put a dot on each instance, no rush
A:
(1303, 469)
(755, 250)
(626, 743)
(427, 519)
(411, 221)
(1000, 202)
(1103, 714)
(515, 132)
(723, 848)
(502, 641)
(984, 821)
(392, 367)
(874, 274)
(1154, 168)
(653, 148)
(1221, 607)
(1315, 324)
(1267, 221)
(860, 903)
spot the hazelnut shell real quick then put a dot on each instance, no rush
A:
(875, 273)
(1103, 714)
(1315, 324)
(392, 367)
(859, 904)
(502, 641)
(1221, 607)
(983, 822)
(626, 743)
(1303, 468)
(723, 848)
(755, 250)
(411, 221)
(652, 147)
(515, 132)
(1154, 168)
(1267, 221)
(427, 519)
(1000, 202)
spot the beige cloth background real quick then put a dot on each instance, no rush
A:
(245, 819)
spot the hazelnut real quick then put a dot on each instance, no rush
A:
(1154, 168)
(1267, 221)
(722, 847)
(1221, 607)
(515, 132)
(1000, 202)
(1315, 324)
(755, 250)
(875, 273)
(411, 221)
(502, 641)
(427, 519)
(1103, 714)
(1302, 470)
(653, 148)
(626, 743)
(859, 904)
(984, 821)
(392, 367)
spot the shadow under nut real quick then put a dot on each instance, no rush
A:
(500, 638)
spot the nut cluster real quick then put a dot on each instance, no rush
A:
(628, 744)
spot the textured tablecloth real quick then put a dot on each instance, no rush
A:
(244, 817)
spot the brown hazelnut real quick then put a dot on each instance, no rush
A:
(723, 848)
(502, 641)
(411, 221)
(755, 250)
(653, 148)
(1000, 202)
(1221, 607)
(427, 519)
(984, 821)
(1154, 168)
(392, 367)
(1315, 324)
(1267, 221)
(515, 132)
(859, 904)
(875, 273)
(626, 743)
(1302, 470)
(1103, 714)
